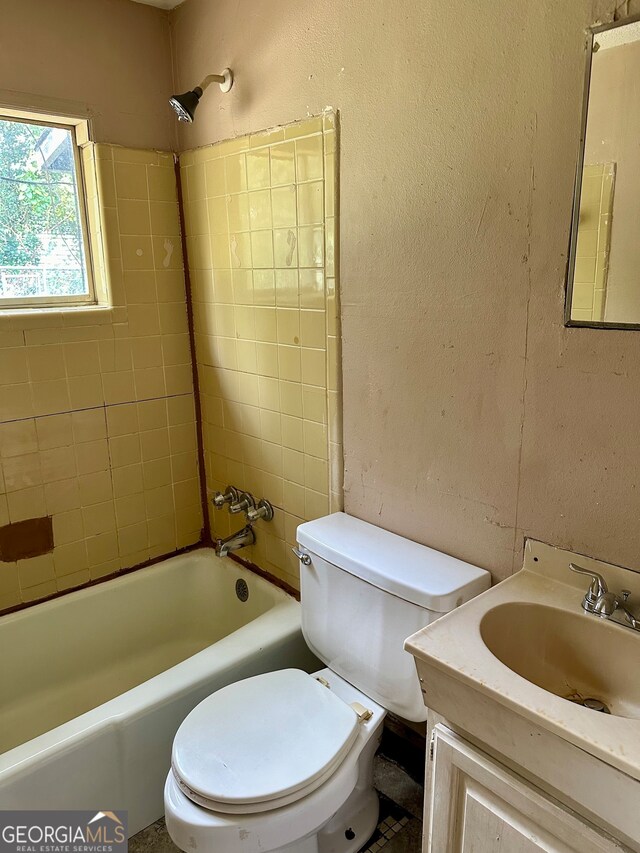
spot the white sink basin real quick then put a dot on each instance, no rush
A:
(574, 655)
(528, 645)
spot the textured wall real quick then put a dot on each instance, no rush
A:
(97, 423)
(110, 56)
(260, 226)
(472, 417)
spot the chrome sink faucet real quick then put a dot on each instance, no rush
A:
(607, 605)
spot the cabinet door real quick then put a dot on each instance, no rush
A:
(479, 806)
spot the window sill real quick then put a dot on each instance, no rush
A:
(56, 316)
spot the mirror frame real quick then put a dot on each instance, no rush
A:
(592, 32)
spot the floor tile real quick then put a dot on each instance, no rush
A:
(393, 822)
(153, 839)
(408, 840)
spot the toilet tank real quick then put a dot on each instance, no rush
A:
(366, 590)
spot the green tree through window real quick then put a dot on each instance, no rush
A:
(41, 240)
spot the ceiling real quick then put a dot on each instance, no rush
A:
(161, 4)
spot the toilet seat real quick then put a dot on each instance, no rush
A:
(262, 743)
(193, 827)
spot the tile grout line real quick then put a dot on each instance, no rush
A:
(205, 535)
(104, 406)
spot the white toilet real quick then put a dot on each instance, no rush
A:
(284, 761)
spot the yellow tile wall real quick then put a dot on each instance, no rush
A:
(594, 237)
(260, 226)
(97, 423)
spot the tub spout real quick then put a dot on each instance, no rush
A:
(238, 540)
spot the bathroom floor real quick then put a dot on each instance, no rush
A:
(399, 828)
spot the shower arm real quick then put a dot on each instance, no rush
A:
(224, 80)
(209, 79)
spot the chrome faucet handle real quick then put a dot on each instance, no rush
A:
(244, 503)
(229, 496)
(263, 509)
(597, 587)
(604, 604)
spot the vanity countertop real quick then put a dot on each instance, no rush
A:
(454, 645)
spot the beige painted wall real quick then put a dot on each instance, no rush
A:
(612, 136)
(472, 417)
(111, 56)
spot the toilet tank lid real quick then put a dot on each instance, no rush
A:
(394, 564)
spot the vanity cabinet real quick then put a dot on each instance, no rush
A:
(517, 765)
(477, 805)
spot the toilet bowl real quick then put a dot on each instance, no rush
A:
(284, 761)
(340, 805)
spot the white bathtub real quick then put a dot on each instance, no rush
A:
(94, 685)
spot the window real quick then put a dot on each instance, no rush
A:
(44, 248)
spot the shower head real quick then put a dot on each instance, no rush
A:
(185, 104)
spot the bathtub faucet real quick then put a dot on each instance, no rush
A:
(238, 540)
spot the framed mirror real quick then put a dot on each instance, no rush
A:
(603, 272)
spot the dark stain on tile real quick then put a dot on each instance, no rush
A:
(24, 539)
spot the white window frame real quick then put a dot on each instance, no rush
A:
(79, 129)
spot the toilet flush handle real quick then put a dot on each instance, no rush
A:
(305, 559)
